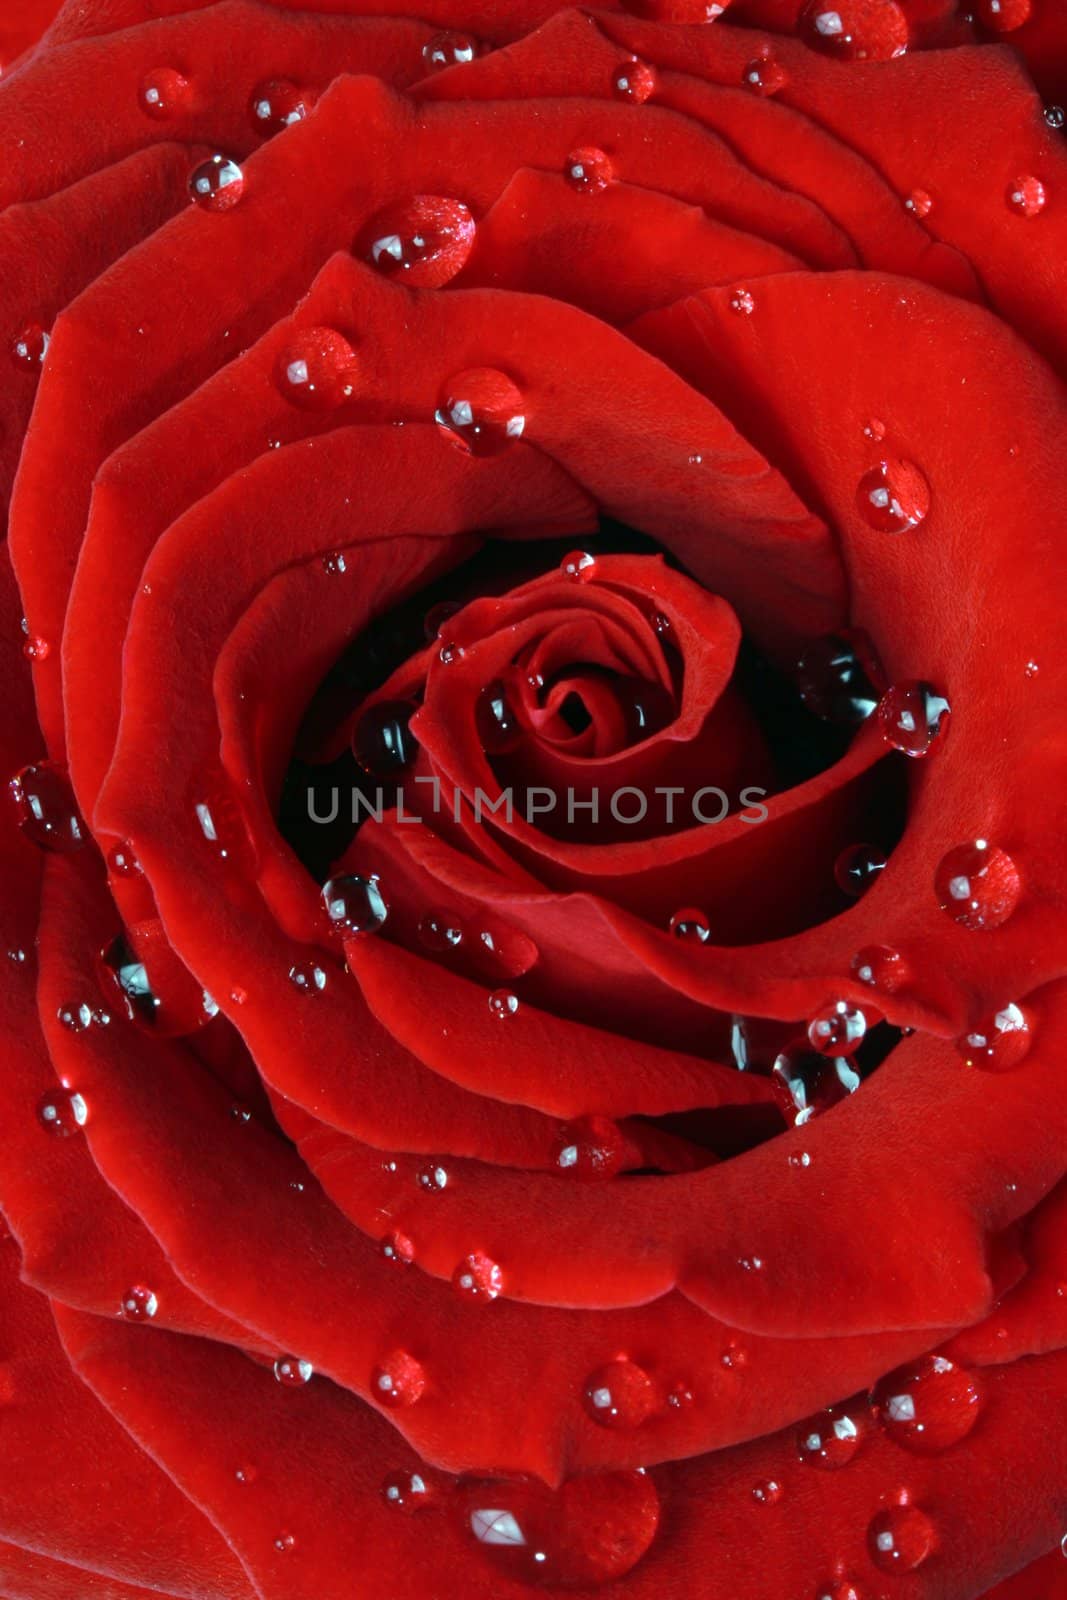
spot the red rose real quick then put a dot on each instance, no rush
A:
(533, 882)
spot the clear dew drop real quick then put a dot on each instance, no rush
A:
(590, 1149)
(767, 1492)
(1003, 16)
(397, 1249)
(478, 1277)
(838, 1029)
(245, 1474)
(278, 104)
(384, 744)
(691, 925)
(764, 76)
(855, 30)
(45, 809)
(879, 966)
(399, 1380)
(450, 48)
(835, 678)
(292, 1372)
(808, 1083)
(831, 1438)
(1026, 196)
(900, 1538)
(928, 1405)
(29, 348)
(858, 868)
(441, 931)
(62, 1111)
(499, 729)
(78, 1015)
(481, 411)
(139, 1304)
(619, 1395)
(503, 1004)
(163, 93)
(919, 203)
(999, 1042)
(588, 170)
(433, 1179)
(316, 370)
(216, 184)
(354, 904)
(450, 653)
(579, 566)
(1055, 118)
(408, 1491)
(635, 82)
(914, 717)
(424, 242)
(308, 977)
(977, 885)
(893, 497)
(121, 861)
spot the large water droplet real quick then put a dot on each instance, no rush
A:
(855, 30)
(277, 104)
(929, 1404)
(838, 1029)
(317, 369)
(164, 93)
(588, 170)
(481, 411)
(834, 677)
(354, 904)
(619, 1394)
(914, 717)
(590, 1149)
(893, 496)
(588, 1532)
(398, 1381)
(809, 1083)
(292, 1372)
(503, 1004)
(831, 1438)
(384, 744)
(978, 885)
(900, 1538)
(425, 242)
(45, 809)
(62, 1112)
(998, 1042)
(478, 1277)
(216, 184)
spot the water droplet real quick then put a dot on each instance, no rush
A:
(246, 1474)
(277, 104)
(78, 1015)
(334, 563)
(437, 616)
(593, 1529)
(768, 1492)
(425, 242)
(839, 1589)
(800, 1158)
(734, 1357)
(874, 428)
(1031, 669)
(1055, 117)
(36, 648)
(292, 1372)
(977, 885)
(692, 925)
(502, 1003)
(831, 1438)
(919, 203)
(808, 1083)
(590, 1149)
(284, 1542)
(398, 1248)
(433, 1179)
(478, 1277)
(680, 1397)
(170, 1009)
(62, 1112)
(354, 904)
(399, 1380)
(121, 861)
(914, 717)
(1003, 16)
(163, 93)
(407, 1491)
(481, 411)
(619, 1394)
(450, 49)
(578, 567)
(855, 30)
(686, 11)
(999, 1042)
(764, 76)
(900, 1538)
(880, 967)
(29, 348)
(1027, 196)
(316, 370)
(837, 1029)
(216, 184)
(743, 301)
(635, 81)
(384, 744)
(308, 977)
(441, 931)
(893, 496)
(835, 678)
(450, 653)
(139, 1304)
(857, 869)
(45, 809)
(588, 170)
(928, 1405)
(499, 729)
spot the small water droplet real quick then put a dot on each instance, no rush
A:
(425, 242)
(397, 1248)
(919, 203)
(692, 925)
(928, 1405)
(354, 904)
(900, 1538)
(590, 1149)
(914, 717)
(121, 861)
(441, 931)
(874, 428)
(246, 1474)
(29, 348)
(831, 1438)
(478, 1277)
(767, 1492)
(407, 1491)
(308, 977)
(999, 1042)
(78, 1015)
(835, 678)
(292, 1372)
(450, 653)
(36, 649)
(619, 1394)
(977, 885)
(139, 1304)
(399, 1380)
(578, 567)
(838, 1029)
(734, 1357)
(334, 563)
(450, 48)
(893, 496)
(432, 1179)
(800, 1158)
(1055, 117)
(1031, 669)
(743, 301)
(164, 92)
(316, 370)
(284, 1542)
(499, 729)
(764, 76)
(858, 869)
(216, 184)
(503, 1004)
(277, 104)
(808, 1083)
(384, 744)
(481, 411)
(635, 81)
(880, 967)
(1003, 16)
(839, 1589)
(855, 30)
(62, 1112)
(45, 809)
(1027, 196)
(588, 170)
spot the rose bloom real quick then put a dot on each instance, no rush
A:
(533, 931)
